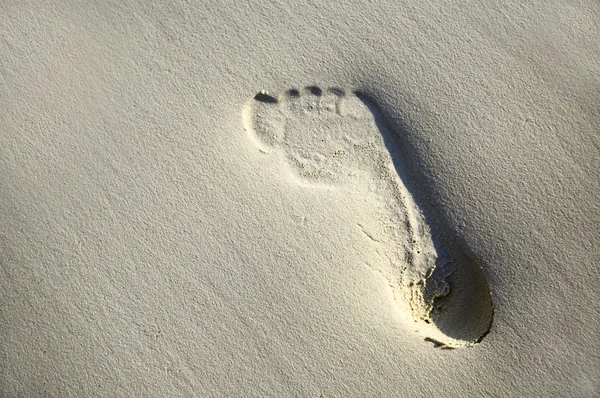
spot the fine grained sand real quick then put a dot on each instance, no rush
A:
(171, 229)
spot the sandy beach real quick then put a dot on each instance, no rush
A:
(273, 199)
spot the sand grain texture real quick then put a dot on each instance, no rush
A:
(150, 245)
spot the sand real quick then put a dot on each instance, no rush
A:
(273, 199)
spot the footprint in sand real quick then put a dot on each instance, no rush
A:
(337, 138)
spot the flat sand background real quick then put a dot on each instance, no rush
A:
(147, 248)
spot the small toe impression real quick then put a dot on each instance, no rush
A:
(264, 97)
(314, 90)
(337, 91)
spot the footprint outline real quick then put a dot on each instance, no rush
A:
(435, 272)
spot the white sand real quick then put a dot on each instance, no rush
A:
(159, 239)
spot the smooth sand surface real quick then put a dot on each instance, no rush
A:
(297, 199)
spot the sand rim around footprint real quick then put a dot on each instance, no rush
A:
(338, 138)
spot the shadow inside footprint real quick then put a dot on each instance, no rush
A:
(465, 313)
